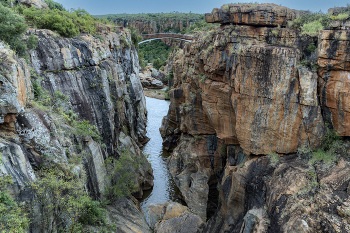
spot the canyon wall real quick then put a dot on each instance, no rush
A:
(53, 109)
(240, 93)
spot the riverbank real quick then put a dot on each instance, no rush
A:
(161, 94)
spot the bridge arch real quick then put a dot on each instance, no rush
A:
(144, 41)
(155, 36)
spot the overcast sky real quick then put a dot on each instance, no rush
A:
(195, 6)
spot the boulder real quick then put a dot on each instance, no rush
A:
(173, 217)
(36, 3)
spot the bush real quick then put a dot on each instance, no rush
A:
(274, 159)
(342, 16)
(32, 42)
(122, 174)
(312, 28)
(135, 36)
(68, 24)
(83, 128)
(12, 27)
(167, 97)
(54, 5)
(311, 47)
(12, 217)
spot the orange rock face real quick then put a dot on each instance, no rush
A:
(246, 85)
(334, 78)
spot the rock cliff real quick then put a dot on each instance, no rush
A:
(242, 92)
(76, 104)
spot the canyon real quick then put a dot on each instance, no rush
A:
(256, 132)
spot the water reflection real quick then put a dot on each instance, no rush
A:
(164, 187)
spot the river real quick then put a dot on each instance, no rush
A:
(164, 187)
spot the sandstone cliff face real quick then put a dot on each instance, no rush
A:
(244, 84)
(100, 80)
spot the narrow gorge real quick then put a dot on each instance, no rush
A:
(255, 137)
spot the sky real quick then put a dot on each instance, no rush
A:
(102, 7)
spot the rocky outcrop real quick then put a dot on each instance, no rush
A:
(83, 87)
(245, 84)
(173, 217)
(35, 3)
(270, 107)
(196, 165)
(267, 14)
(334, 80)
(15, 86)
(151, 78)
(291, 197)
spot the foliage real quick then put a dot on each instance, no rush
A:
(332, 148)
(311, 28)
(274, 159)
(311, 23)
(54, 5)
(331, 136)
(12, 27)
(167, 97)
(68, 24)
(83, 128)
(122, 174)
(311, 47)
(155, 17)
(135, 36)
(157, 63)
(170, 76)
(32, 42)
(62, 196)
(141, 60)
(155, 49)
(342, 16)
(12, 216)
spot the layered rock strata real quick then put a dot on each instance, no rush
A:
(84, 78)
(244, 83)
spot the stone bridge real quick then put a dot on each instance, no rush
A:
(149, 37)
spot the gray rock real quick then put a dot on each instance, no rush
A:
(188, 223)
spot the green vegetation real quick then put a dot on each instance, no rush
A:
(54, 5)
(311, 23)
(167, 96)
(12, 28)
(274, 159)
(155, 52)
(62, 195)
(12, 216)
(122, 174)
(68, 24)
(332, 148)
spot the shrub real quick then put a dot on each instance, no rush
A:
(122, 174)
(312, 28)
(170, 76)
(167, 97)
(135, 36)
(12, 27)
(342, 16)
(83, 128)
(68, 24)
(12, 217)
(54, 5)
(274, 159)
(32, 42)
(311, 47)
